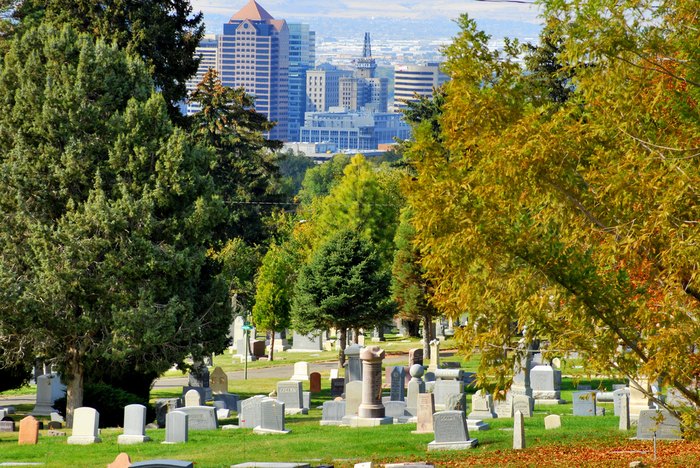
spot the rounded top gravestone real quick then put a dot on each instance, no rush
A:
(416, 371)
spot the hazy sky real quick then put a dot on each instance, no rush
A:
(372, 8)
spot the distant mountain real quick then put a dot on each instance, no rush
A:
(392, 28)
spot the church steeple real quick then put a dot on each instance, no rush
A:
(365, 66)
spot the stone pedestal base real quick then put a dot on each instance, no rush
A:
(261, 431)
(477, 425)
(476, 415)
(42, 410)
(132, 439)
(241, 358)
(300, 378)
(356, 421)
(293, 411)
(549, 402)
(83, 440)
(434, 446)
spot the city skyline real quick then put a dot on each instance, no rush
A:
(367, 9)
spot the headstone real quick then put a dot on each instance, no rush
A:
(243, 347)
(504, 407)
(176, 427)
(372, 406)
(313, 342)
(415, 356)
(333, 413)
(230, 400)
(7, 426)
(584, 403)
(122, 461)
(524, 404)
(193, 398)
(290, 392)
(398, 378)
(518, 431)
(553, 421)
(272, 417)
(426, 409)
(86, 422)
(315, 382)
(456, 402)
(658, 423)
(482, 406)
(134, 425)
(617, 396)
(301, 371)
(337, 387)
(546, 384)
(451, 432)
(624, 413)
(201, 418)
(353, 369)
(218, 381)
(333, 374)
(257, 347)
(675, 398)
(306, 397)
(434, 355)
(44, 395)
(203, 397)
(236, 331)
(199, 376)
(222, 413)
(57, 417)
(444, 388)
(521, 369)
(395, 409)
(281, 343)
(163, 407)
(250, 413)
(353, 397)
(638, 398)
(556, 363)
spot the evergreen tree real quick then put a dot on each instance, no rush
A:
(107, 214)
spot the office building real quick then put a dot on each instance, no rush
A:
(412, 80)
(207, 59)
(253, 52)
(323, 88)
(352, 130)
(302, 57)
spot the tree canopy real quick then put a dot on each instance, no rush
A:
(573, 218)
(107, 214)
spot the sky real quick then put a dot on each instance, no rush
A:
(406, 9)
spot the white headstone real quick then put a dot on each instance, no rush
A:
(518, 431)
(134, 425)
(176, 427)
(86, 422)
(193, 398)
(553, 421)
(301, 371)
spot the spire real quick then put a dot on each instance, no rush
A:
(367, 50)
(252, 11)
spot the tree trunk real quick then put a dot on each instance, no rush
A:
(271, 356)
(426, 335)
(356, 335)
(74, 391)
(343, 342)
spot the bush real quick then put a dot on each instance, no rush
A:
(109, 402)
(14, 376)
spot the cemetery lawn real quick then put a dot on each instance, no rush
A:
(582, 441)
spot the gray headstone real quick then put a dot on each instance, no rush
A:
(398, 378)
(307, 399)
(676, 398)
(176, 427)
(518, 431)
(584, 403)
(617, 398)
(163, 407)
(7, 426)
(659, 422)
(201, 418)
(250, 414)
(353, 369)
(291, 394)
(504, 408)
(415, 387)
(333, 410)
(545, 382)
(446, 387)
(624, 412)
(482, 406)
(311, 342)
(199, 377)
(395, 409)
(456, 402)
(524, 404)
(134, 425)
(230, 400)
(450, 426)
(272, 415)
(353, 397)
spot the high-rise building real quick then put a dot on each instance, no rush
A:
(253, 52)
(366, 66)
(207, 59)
(410, 80)
(323, 88)
(302, 57)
